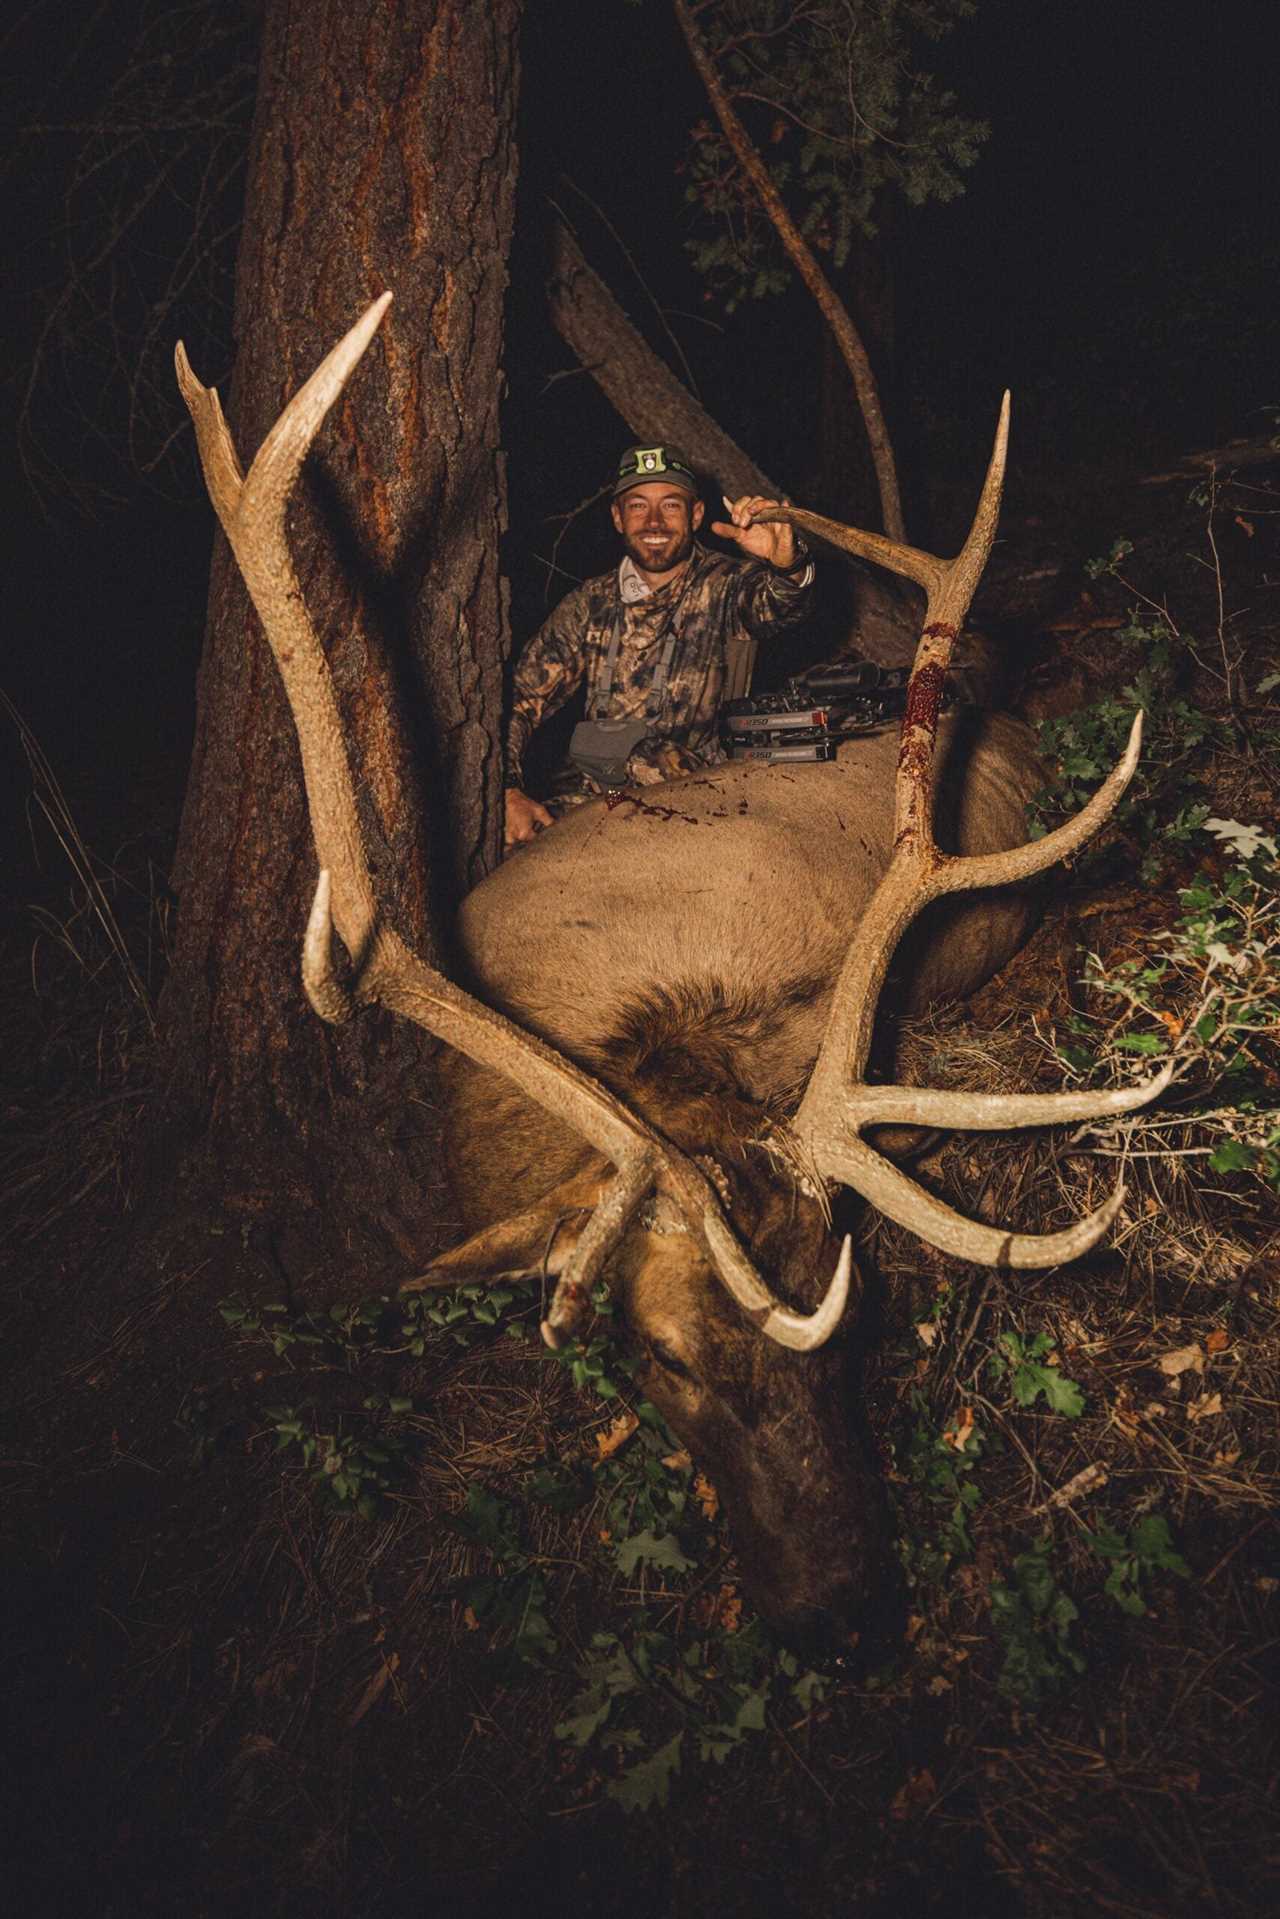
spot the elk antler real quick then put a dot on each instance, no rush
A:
(838, 1103)
(383, 968)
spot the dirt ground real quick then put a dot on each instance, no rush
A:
(227, 1691)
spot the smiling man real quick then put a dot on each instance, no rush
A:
(649, 638)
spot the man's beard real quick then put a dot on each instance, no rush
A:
(662, 559)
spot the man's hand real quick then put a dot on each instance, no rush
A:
(774, 542)
(524, 817)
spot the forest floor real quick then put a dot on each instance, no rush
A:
(338, 1606)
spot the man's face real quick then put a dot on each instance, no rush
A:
(657, 523)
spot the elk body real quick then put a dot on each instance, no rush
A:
(665, 1028)
(683, 947)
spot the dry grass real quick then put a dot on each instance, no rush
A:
(76, 1015)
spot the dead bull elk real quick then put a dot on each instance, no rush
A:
(663, 978)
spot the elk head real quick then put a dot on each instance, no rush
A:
(735, 1362)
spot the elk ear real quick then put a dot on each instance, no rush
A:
(539, 1240)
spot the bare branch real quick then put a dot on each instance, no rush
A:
(833, 309)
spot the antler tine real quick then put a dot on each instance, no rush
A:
(384, 970)
(802, 1333)
(252, 512)
(328, 996)
(838, 1104)
(893, 1193)
(910, 562)
(995, 1112)
(615, 1210)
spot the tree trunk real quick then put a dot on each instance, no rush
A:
(383, 156)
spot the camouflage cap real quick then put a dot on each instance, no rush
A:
(640, 465)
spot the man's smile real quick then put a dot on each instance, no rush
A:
(657, 523)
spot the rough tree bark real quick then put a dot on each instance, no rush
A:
(883, 613)
(383, 156)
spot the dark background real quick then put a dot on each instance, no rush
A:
(1112, 259)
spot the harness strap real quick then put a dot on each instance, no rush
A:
(658, 686)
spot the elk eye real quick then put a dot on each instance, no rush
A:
(669, 1361)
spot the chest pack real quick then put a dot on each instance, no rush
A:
(600, 747)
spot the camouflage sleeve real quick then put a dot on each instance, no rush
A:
(548, 673)
(769, 601)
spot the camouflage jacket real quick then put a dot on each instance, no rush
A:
(714, 597)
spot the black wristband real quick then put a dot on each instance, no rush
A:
(797, 565)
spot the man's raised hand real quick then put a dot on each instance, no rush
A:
(774, 541)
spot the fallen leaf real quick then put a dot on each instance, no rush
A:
(615, 1434)
(927, 1331)
(469, 1620)
(1227, 1457)
(938, 1685)
(1183, 1359)
(1217, 1341)
(723, 1609)
(677, 1462)
(1079, 1336)
(957, 1436)
(918, 1790)
(915, 1625)
(1205, 1407)
(707, 1497)
(1087, 1480)
(1123, 1412)
(375, 1688)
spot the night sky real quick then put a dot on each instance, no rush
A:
(1113, 260)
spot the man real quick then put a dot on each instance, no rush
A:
(649, 638)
